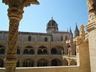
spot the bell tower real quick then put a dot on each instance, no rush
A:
(76, 31)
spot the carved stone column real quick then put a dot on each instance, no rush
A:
(11, 55)
(15, 12)
(91, 28)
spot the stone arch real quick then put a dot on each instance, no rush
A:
(45, 39)
(56, 62)
(42, 62)
(2, 49)
(73, 62)
(32, 51)
(42, 50)
(1, 63)
(28, 63)
(65, 62)
(25, 51)
(29, 50)
(60, 50)
(57, 50)
(29, 38)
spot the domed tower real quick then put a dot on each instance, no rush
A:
(52, 26)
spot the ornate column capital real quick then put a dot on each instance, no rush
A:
(24, 2)
(15, 9)
(92, 15)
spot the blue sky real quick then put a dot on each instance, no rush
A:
(35, 18)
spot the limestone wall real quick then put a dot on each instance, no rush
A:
(92, 49)
(84, 57)
(83, 60)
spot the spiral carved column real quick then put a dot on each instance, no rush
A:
(15, 12)
(15, 15)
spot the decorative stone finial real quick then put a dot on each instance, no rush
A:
(51, 18)
(81, 38)
(82, 32)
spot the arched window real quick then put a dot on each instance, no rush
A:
(32, 51)
(39, 51)
(29, 50)
(42, 62)
(1, 63)
(66, 38)
(54, 51)
(28, 63)
(60, 50)
(29, 38)
(42, 50)
(46, 39)
(73, 62)
(65, 62)
(51, 38)
(25, 51)
(45, 51)
(61, 38)
(2, 49)
(56, 62)
(52, 24)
